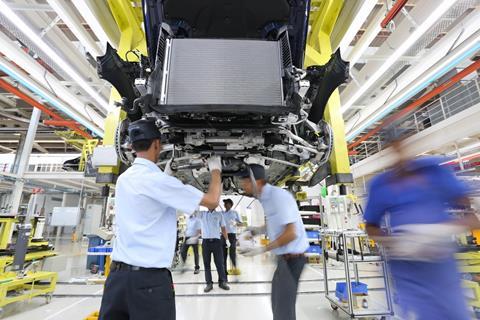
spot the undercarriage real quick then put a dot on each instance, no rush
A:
(229, 92)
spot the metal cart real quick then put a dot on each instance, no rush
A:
(347, 247)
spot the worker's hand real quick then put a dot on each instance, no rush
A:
(193, 240)
(255, 231)
(168, 167)
(227, 243)
(253, 251)
(214, 163)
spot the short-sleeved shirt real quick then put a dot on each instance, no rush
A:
(212, 223)
(193, 226)
(146, 201)
(231, 218)
(420, 198)
(280, 210)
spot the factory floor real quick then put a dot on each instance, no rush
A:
(249, 297)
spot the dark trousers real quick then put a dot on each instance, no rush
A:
(209, 247)
(138, 295)
(284, 287)
(195, 253)
(232, 251)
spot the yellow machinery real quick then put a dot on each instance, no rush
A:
(470, 265)
(85, 146)
(469, 262)
(14, 288)
(6, 231)
(17, 284)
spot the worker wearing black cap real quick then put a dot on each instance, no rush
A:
(140, 284)
(288, 239)
(232, 220)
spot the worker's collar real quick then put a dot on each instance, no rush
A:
(147, 163)
(266, 191)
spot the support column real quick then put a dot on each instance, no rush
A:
(59, 228)
(21, 143)
(459, 157)
(24, 157)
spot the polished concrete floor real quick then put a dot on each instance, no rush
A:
(249, 297)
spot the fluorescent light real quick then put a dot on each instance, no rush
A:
(360, 16)
(370, 34)
(440, 70)
(442, 7)
(63, 10)
(38, 41)
(30, 85)
(83, 7)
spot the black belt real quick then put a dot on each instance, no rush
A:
(122, 266)
(290, 256)
(211, 239)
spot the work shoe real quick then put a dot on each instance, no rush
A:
(208, 288)
(224, 286)
(197, 271)
(234, 272)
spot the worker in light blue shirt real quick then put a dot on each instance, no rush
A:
(139, 285)
(192, 235)
(212, 225)
(232, 221)
(287, 235)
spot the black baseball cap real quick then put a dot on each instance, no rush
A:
(257, 170)
(228, 201)
(143, 129)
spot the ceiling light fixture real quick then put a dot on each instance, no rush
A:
(361, 15)
(44, 94)
(461, 53)
(442, 7)
(38, 41)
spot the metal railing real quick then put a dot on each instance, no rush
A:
(460, 97)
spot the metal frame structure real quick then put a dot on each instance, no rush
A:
(349, 260)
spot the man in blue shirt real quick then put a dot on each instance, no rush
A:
(287, 235)
(410, 201)
(212, 225)
(192, 235)
(140, 284)
(232, 220)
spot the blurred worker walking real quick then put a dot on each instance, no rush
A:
(407, 213)
(139, 285)
(288, 239)
(192, 235)
(232, 220)
(212, 225)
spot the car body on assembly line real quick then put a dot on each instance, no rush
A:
(226, 78)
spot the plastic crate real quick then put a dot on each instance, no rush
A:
(93, 242)
(358, 288)
(313, 234)
(314, 249)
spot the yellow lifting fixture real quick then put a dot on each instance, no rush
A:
(323, 16)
